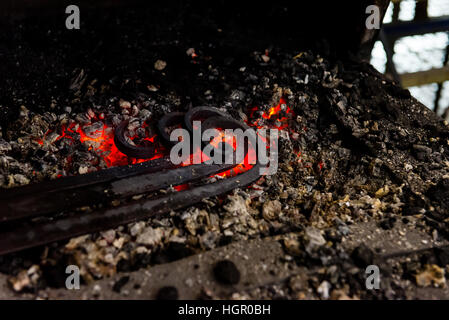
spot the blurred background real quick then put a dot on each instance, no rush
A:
(413, 50)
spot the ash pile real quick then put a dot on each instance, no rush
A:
(358, 158)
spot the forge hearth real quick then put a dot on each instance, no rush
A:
(46, 202)
(359, 159)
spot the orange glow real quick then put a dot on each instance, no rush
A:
(181, 187)
(274, 111)
(102, 141)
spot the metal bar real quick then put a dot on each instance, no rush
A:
(56, 201)
(88, 179)
(23, 237)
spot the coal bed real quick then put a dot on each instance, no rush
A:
(362, 178)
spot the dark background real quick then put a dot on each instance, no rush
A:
(39, 54)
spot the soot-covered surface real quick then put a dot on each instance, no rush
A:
(356, 149)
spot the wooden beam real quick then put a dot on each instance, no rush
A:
(401, 29)
(420, 78)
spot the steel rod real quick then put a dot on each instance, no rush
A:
(23, 237)
(57, 200)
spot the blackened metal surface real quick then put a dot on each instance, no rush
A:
(145, 152)
(22, 237)
(57, 200)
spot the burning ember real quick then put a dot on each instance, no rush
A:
(74, 192)
(98, 136)
(278, 116)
